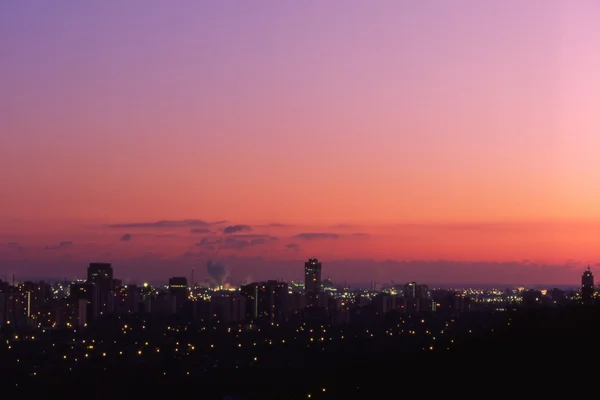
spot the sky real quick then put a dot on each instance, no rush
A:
(408, 140)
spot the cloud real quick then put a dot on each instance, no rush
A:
(255, 236)
(209, 240)
(361, 234)
(14, 245)
(200, 230)
(275, 225)
(343, 226)
(236, 228)
(234, 243)
(61, 245)
(293, 246)
(317, 236)
(166, 224)
(126, 237)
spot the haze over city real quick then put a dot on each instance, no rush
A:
(446, 142)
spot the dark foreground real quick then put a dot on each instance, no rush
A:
(527, 353)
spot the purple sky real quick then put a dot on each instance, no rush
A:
(315, 114)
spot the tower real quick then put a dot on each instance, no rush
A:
(101, 275)
(587, 286)
(312, 282)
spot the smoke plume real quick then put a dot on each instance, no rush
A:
(217, 271)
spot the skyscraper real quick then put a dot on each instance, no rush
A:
(312, 282)
(587, 286)
(101, 275)
(178, 287)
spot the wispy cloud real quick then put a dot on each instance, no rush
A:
(126, 237)
(236, 228)
(317, 236)
(166, 224)
(61, 245)
(275, 225)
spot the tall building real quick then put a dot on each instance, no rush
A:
(416, 298)
(101, 275)
(84, 302)
(312, 282)
(266, 300)
(178, 287)
(587, 286)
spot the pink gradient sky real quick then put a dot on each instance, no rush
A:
(463, 130)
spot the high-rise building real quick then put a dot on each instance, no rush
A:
(101, 275)
(266, 300)
(416, 298)
(84, 302)
(587, 286)
(178, 287)
(312, 282)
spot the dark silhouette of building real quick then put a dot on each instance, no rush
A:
(312, 282)
(178, 287)
(83, 302)
(268, 300)
(228, 307)
(127, 299)
(416, 298)
(101, 275)
(587, 286)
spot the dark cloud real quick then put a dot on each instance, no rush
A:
(166, 224)
(293, 246)
(14, 245)
(255, 236)
(61, 245)
(126, 237)
(240, 241)
(209, 240)
(200, 230)
(316, 236)
(236, 228)
(235, 243)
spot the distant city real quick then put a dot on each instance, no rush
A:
(257, 340)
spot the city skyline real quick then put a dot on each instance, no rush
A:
(462, 136)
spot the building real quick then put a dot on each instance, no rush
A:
(587, 286)
(127, 300)
(416, 298)
(101, 275)
(268, 300)
(312, 282)
(82, 296)
(178, 287)
(228, 307)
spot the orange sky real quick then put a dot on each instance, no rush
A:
(464, 131)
